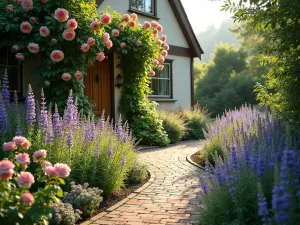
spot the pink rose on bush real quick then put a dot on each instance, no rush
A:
(47, 83)
(160, 28)
(54, 41)
(154, 24)
(28, 198)
(62, 170)
(23, 159)
(166, 47)
(25, 179)
(85, 47)
(49, 170)
(15, 48)
(123, 45)
(132, 23)
(78, 75)
(57, 55)
(69, 34)
(105, 18)
(39, 155)
(20, 56)
(115, 33)
(109, 44)
(6, 169)
(134, 16)
(126, 17)
(25, 27)
(27, 5)
(10, 8)
(161, 67)
(66, 76)
(19, 140)
(159, 42)
(91, 41)
(100, 56)
(44, 1)
(95, 25)
(161, 59)
(46, 163)
(106, 37)
(44, 31)
(155, 32)
(163, 38)
(32, 20)
(17, 1)
(164, 53)
(61, 15)
(138, 43)
(155, 62)
(72, 24)
(121, 26)
(33, 48)
(147, 25)
(9, 146)
(152, 74)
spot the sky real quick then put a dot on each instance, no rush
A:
(203, 13)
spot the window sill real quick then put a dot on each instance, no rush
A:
(162, 99)
(143, 13)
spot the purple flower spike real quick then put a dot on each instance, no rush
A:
(110, 150)
(119, 128)
(70, 138)
(18, 128)
(4, 90)
(280, 204)
(263, 211)
(233, 157)
(56, 123)
(204, 187)
(30, 105)
(49, 133)
(3, 118)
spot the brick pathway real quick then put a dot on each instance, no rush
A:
(172, 198)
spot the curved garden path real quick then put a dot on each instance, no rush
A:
(172, 197)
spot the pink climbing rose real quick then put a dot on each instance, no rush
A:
(15, 48)
(106, 37)
(78, 75)
(155, 62)
(166, 47)
(61, 15)
(66, 76)
(10, 8)
(19, 140)
(27, 5)
(32, 20)
(85, 47)
(49, 170)
(100, 56)
(160, 28)
(123, 45)
(105, 18)
(17, 1)
(152, 74)
(154, 24)
(44, 31)
(134, 16)
(161, 59)
(91, 41)
(109, 44)
(95, 25)
(161, 67)
(23, 159)
(115, 33)
(159, 42)
(44, 1)
(164, 53)
(138, 43)
(25, 27)
(72, 24)
(163, 38)
(54, 41)
(69, 34)
(9, 146)
(33, 48)
(132, 23)
(57, 55)
(39, 155)
(62, 170)
(25, 179)
(20, 56)
(121, 26)
(47, 83)
(147, 25)
(6, 170)
(126, 17)
(28, 198)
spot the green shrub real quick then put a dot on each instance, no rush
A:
(137, 174)
(173, 124)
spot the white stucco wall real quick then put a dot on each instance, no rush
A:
(164, 12)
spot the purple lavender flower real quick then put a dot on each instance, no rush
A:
(4, 90)
(102, 122)
(263, 211)
(30, 105)
(70, 138)
(43, 114)
(110, 150)
(119, 128)
(70, 111)
(49, 133)
(56, 123)
(126, 134)
(261, 166)
(280, 204)
(204, 187)
(92, 131)
(233, 157)
(288, 165)
(3, 118)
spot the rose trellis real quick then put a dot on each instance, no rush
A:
(65, 37)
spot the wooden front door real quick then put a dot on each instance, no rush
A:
(98, 87)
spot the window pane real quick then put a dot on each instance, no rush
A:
(143, 5)
(165, 73)
(164, 87)
(155, 86)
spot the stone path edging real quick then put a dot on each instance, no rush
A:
(189, 159)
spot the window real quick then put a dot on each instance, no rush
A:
(14, 70)
(144, 6)
(161, 83)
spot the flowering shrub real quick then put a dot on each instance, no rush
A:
(18, 204)
(85, 199)
(64, 214)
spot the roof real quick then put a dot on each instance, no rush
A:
(186, 27)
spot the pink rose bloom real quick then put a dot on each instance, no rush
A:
(20, 56)
(44, 31)
(32, 20)
(138, 43)
(15, 48)
(54, 41)
(152, 74)
(160, 28)
(154, 24)
(49, 170)
(147, 25)
(100, 56)
(163, 38)
(161, 67)
(105, 18)
(69, 34)
(66, 76)
(44, 1)
(95, 25)
(28, 198)
(164, 53)
(47, 83)
(25, 179)
(161, 59)
(72, 24)
(159, 42)
(121, 26)
(155, 32)
(155, 62)
(17, 1)
(23, 159)
(25, 27)
(115, 33)
(27, 5)
(91, 41)
(109, 44)
(106, 37)
(61, 15)
(46, 163)
(10, 8)
(132, 23)
(9, 146)
(19, 140)
(126, 17)
(85, 47)
(57, 55)
(78, 75)
(33, 48)
(166, 47)
(26, 145)
(62, 170)
(6, 169)
(123, 45)
(134, 16)
(39, 155)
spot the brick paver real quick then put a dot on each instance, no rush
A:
(172, 198)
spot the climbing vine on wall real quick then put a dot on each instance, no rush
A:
(66, 37)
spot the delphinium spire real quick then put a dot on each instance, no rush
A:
(3, 118)
(119, 128)
(56, 123)
(43, 114)
(49, 133)
(18, 127)
(126, 133)
(4, 90)
(30, 106)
